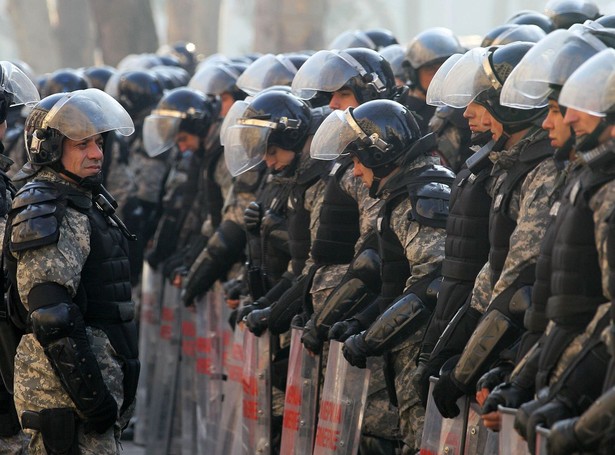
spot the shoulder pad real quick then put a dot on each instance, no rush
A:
(537, 150)
(434, 173)
(430, 204)
(35, 218)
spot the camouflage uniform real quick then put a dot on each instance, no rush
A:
(120, 178)
(37, 386)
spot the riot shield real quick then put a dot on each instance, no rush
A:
(164, 391)
(149, 330)
(442, 435)
(341, 406)
(187, 381)
(301, 399)
(256, 381)
(230, 429)
(510, 442)
(542, 434)
(209, 369)
(479, 439)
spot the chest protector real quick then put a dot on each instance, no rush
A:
(428, 188)
(467, 227)
(339, 231)
(501, 224)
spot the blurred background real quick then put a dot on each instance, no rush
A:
(52, 34)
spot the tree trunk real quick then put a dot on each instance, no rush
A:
(288, 26)
(124, 27)
(195, 21)
(74, 32)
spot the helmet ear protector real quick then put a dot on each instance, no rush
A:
(370, 79)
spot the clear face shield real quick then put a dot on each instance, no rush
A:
(435, 91)
(235, 112)
(591, 88)
(245, 144)
(265, 72)
(15, 82)
(214, 80)
(549, 62)
(469, 77)
(160, 130)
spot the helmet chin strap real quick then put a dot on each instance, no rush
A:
(590, 141)
(89, 182)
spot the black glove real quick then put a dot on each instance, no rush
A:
(310, 338)
(506, 394)
(420, 377)
(341, 330)
(252, 216)
(523, 414)
(545, 416)
(494, 377)
(153, 259)
(102, 417)
(562, 439)
(245, 311)
(300, 320)
(355, 350)
(234, 289)
(258, 321)
(445, 395)
(174, 265)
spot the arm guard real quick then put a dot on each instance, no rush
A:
(397, 323)
(60, 329)
(593, 425)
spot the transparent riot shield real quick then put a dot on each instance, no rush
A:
(301, 399)
(510, 442)
(209, 369)
(542, 434)
(165, 373)
(187, 381)
(256, 381)
(230, 437)
(341, 405)
(479, 439)
(442, 435)
(149, 329)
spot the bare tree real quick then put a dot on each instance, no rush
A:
(74, 31)
(288, 26)
(195, 21)
(124, 27)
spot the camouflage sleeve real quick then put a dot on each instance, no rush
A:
(150, 175)
(314, 197)
(481, 293)
(532, 208)
(58, 263)
(603, 204)
(223, 178)
(424, 245)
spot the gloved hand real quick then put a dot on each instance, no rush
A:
(420, 377)
(506, 394)
(173, 265)
(101, 417)
(562, 439)
(234, 289)
(355, 350)
(245, 311)
(545, 416)
(445, 395)
(300, 320)
(523, 414)
(310, 338)
(258, 321)
(252, 216)
(494, 377)
(153, 259)
(341, 330)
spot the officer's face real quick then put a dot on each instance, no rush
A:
(365, 173)
(83, 158)
(558, 131)
(2, 130)
(278, 158)
(474, 113)
(226, 101)
(581, 122)
(489, 123)
(342, 99)
(186, 141)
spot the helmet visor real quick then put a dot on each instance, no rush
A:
(266, 71)
(352, 38)
(466, 79)
(591, 88)
(214, 80)
(333, 137)
(547, 63)
(436, 86)
(159, 133)
(325, 71)
(236, 111)
(245, 147)
(18, 84)
(84, 113)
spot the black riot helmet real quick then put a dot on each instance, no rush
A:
(63, 80)
(214, 80)
(362, 70)
(494, 33)
(75, 115)
(395, 55)
(379, 133)
(532, 18)
(184, 52)
(272, 118)
(98, 76)
(269, 70)
(429, 48)
(527, 32)
(498, 64)
(607, 21)
(373, 38)
(565, 13)
(137, 91)
(180, 109)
